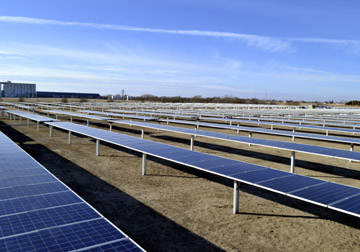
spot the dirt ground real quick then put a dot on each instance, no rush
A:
(174, 208)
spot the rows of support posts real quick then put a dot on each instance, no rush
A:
(144, 155)
(144, 165)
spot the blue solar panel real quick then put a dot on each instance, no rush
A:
(261, 175)
(189, 159)
(38, 213)
(31, 116)
(30, 203)
(351, 204)
(9, 173)
(236, 169)
(210, 163)
(65, 238)
(29, 180)
(263, 142)
(29, 190)
(121, 246)
(180, 155)
(291, 183)
(45, 218)
(326, 193)
(271, 132)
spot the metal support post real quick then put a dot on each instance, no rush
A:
(69, 137)
(351, 149)
(250, 135)
(143, 164)
(327, 132)
(20, 120)
(28, 122)
(71, 119)
(56, 117)
(272, 126)
(87, 122)
(110, 127)
(292, 162)
(142, 133)
(236, 197)
(97, 147)
(51, 131)
(38, 126)
(192, 142)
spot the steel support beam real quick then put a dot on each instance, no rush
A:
(192, 142)
(292, 162)
(97, 147)
(236, 197)
(143, 164)
(69, 137)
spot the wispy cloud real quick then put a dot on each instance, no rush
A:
(353, 44)
(263, 42)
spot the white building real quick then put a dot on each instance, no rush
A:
(10, 89)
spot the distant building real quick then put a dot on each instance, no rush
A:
(43, 94)
(10, 89)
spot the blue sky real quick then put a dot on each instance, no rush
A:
(299, 50)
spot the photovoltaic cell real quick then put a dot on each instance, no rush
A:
(351, 204)
(236, 169)
(39, 213)
(326, 193)
(65, 238)
(261, 175)
(45, 218)
(29, 203)
(29, 190)
(291, 183)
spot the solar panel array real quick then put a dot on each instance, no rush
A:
(93, 117)
(303, 148)
(111, 114)
(289, 125)
(327, 194)
(156, 114)
(33, 117)
(40, 213)
(268, 131)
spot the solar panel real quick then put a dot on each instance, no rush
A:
(39, 213)
(304, 148)
(326, 193)
(318, 192)
(254, 130)
(289, 125)
(111, 114)
(93, 117)
(31, 116)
